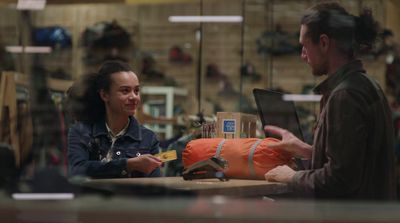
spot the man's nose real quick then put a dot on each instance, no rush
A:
(133, 95)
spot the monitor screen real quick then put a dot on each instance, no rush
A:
(273, 110)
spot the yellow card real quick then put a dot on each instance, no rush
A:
(167, 156)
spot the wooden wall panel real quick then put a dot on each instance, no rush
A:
(8, 26)
(153, 34)
(392, 17)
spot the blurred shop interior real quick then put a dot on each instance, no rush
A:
(188, 70)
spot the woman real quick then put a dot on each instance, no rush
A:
(107, 141)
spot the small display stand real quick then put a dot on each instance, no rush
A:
(236, 125)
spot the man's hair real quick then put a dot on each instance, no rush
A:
(352, 33)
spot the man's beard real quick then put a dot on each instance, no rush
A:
(320, 70)
(317, 73)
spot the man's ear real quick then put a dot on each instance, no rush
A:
(103, 95)
(324, 42)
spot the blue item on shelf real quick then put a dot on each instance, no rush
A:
(54, 36)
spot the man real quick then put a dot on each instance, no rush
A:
(352, 156)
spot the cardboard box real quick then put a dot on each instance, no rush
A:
(236, 125)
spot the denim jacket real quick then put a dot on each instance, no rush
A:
(88, 145)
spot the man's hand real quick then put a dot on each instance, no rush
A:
(283, 174)
(289, 143)
(145, 163)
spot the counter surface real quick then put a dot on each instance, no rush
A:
(232, 187)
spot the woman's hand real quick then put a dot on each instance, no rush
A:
(289, 143)
(145, 163)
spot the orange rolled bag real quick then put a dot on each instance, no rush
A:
(248, 158)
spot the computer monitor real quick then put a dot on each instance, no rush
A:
(273, 110)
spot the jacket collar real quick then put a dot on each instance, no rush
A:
(333, 80)
(133, 130)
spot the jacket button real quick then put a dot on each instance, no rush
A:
(118, 153)
(124, 173)
(138, 154)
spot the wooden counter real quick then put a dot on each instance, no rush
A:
(125, 209)
(232, 187)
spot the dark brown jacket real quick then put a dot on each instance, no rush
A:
(353, 154)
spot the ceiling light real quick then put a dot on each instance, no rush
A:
(205, 18)
(302, 97)
(28, 49)
(43, 196)
(31, 4)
